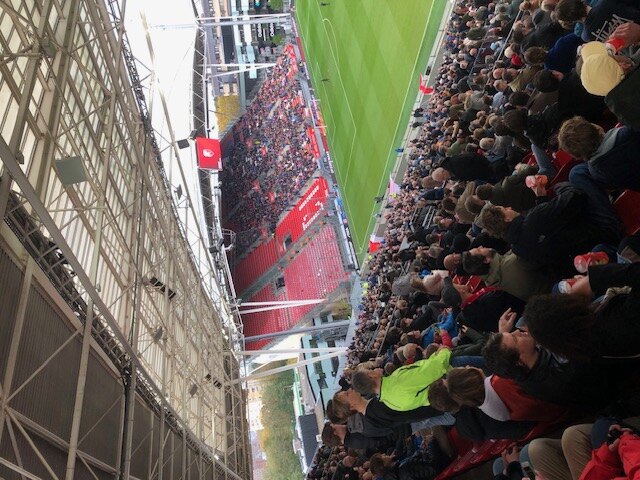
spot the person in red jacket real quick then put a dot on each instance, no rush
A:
(619, 459)
(499, 398)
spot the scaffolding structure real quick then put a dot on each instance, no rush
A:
(116, 325)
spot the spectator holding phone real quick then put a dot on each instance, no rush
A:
(618, 457)
(509, 465)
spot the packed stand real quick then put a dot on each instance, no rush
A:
(509, 320)
(272, 157)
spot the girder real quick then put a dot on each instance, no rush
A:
(135, 284)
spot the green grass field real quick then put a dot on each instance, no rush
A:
(371, 52)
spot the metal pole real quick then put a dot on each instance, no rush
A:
(279, 302)
(248, 64)
(248, 353)
(233, 72)
(150, 455)
(228, 20)
(183, 466)
(285, 368)
(256, 16)
(136, 318)
(294, 331)
(277, 307)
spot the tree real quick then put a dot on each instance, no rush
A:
(278, 420)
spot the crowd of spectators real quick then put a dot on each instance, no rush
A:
(272, 158)
(512, 312)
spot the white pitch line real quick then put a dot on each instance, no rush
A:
(333, 120)
(354, 233)
(335, 40)
(347, 207)
(344, 91)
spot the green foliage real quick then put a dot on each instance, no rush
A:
(278, 38)
(340, 310)
(275, 4)
(278, 420)
(227, 110)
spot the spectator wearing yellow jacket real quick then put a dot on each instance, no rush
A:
(407, 387)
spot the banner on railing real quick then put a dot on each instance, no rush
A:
(314, 142)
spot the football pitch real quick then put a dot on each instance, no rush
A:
(365, 58)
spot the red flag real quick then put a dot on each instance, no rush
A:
(374, 247)
(209, 155)
(375, 243)
(423, 87)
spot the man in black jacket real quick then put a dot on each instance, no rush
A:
(544, 36)
(573, 99)
(344, 404)
(467, 167)
(334, 435)
(608, 334)
(511, 192)
(515, 355)
(555, 231)
(480, 310)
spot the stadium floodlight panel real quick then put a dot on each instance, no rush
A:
(71, 170)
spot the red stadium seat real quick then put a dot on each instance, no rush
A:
(250, 268)
(459, 444)
(561, 158)
(474, 455)
(627, 207)
(563, 172)
(475, 283)
(529, 159)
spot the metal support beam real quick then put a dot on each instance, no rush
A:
(295, 331)
(247, 64)
(13, 167)
(241, 68)
(248, 353)
(65, 116)
(228, 20)
(286, 368)
(93, 274)
(281, 306)
(281, 302)
(18, 469)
